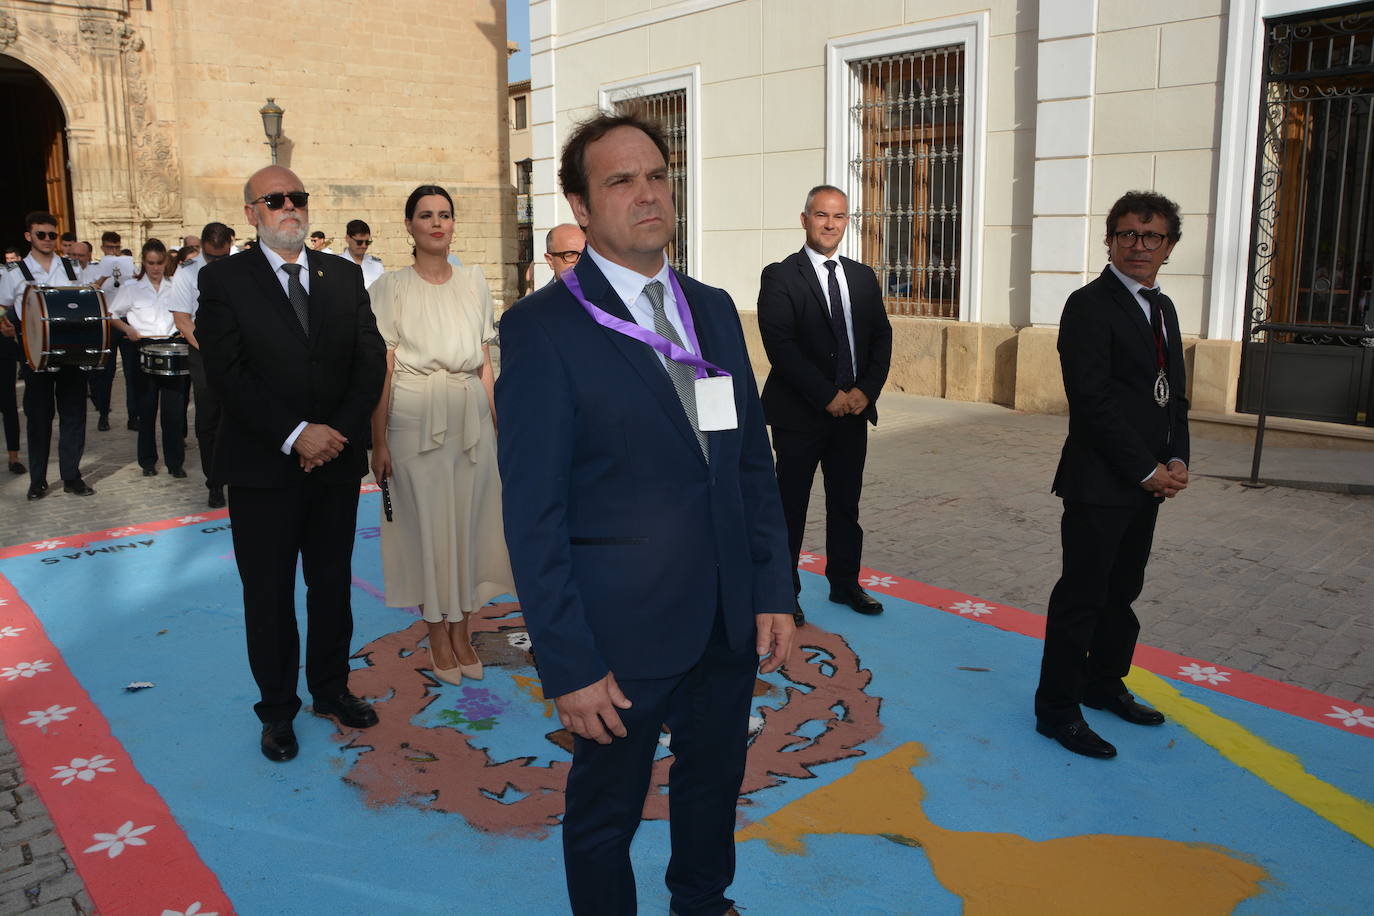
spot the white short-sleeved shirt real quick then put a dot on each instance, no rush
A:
(12, 283)
(372, 268)
(144, 308)
(119, 268)
(185, 296)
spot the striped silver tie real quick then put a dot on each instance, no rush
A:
(682, 376)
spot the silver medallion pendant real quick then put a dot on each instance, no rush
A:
(1161, 389)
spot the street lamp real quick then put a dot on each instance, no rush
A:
(271, 124)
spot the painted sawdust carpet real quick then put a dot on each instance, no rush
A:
(893, 768)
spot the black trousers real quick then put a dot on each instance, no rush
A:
(100, 381)
(1091, 630)
(207, 416)
(62, 393)
(163, 395)
(840, 447)
(707, 712)
(272, 526)
(128, 361)
(9, 404)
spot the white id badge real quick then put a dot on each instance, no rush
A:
(716, 403)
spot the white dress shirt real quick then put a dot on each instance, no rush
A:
(186, 288)
(372, 268)
(823, 275)
(629, 286)
(145, 308)
(117, 267)
(276, 261)
(12, 283)
(1134, 288)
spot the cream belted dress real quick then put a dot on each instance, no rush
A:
(446, 548)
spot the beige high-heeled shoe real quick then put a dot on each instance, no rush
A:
(452, 675)
(473, 671)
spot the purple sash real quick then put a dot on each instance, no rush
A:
(657, 341)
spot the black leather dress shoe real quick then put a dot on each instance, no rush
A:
(38, 490)
(279, 741)
(1076, 736)
(150, 472)
(17, 468)
(178, 473)
(104, 423)
(216, 499)
(77, 487)
(798, 615)
(348, 709)
(1127, 708)
(856, 598)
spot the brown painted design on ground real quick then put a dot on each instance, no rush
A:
(438, 768)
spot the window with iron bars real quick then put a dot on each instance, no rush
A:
(907, 166)
(669, 111)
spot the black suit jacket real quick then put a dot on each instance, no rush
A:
(270, 376)
(1117, 433)
(794, 321)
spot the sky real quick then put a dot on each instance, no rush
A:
(518, 30)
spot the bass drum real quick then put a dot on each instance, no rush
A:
(65, 326)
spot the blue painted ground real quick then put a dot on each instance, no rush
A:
(297, 838)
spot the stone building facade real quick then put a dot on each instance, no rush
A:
(142, 117)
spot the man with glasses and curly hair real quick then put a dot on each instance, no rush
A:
(1126, 452)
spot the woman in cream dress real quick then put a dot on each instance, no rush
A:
(434, 439)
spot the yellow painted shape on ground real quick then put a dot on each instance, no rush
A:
(1001, 874)
(531, 686)
(1279, 768)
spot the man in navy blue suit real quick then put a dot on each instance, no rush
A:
(645, 531)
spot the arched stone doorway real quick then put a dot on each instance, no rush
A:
(34, 162)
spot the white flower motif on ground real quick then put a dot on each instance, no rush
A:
(8, 632)
(806, 559)
(4, 601)
(1199, 673)
(1352, 717)
(192, 910)
(755, 724)
(519, 640)
(48, 545)
(972, 608)
(879, 582)
(124, 532)
(188, 519)
(83, 769)
(42, 717)
(25, 669)
(113, 843)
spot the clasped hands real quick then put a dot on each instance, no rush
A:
(318, 443)
(1167, 480)
(848, 402)
(592, 711)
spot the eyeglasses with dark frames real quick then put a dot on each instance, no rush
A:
(570, 256)
(1150, 241)
(277, 199)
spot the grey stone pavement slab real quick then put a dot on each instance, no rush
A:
(1277, 582)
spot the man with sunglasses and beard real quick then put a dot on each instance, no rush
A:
(61, 392)
(214, 244)
(292, 351)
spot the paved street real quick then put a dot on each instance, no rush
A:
(1276, 582)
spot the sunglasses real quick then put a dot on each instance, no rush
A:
(44, 236)
(277, 199)
(364, 242)
(211, 258)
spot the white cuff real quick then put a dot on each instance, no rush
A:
(291, 439)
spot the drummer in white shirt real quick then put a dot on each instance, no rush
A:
(141, 309)
(61, 393)
(359, 237)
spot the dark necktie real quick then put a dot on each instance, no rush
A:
(844, 362)
(1156, 298)
(295, 291)
(681, 375)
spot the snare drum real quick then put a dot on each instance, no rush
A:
(164, 357)
(65, 326)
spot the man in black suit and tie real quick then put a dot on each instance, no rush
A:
(1126, 452)
(828, 339)
(291, 349)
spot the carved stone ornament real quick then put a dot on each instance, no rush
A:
(157, 175)
(9, 30)
(109, 36)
